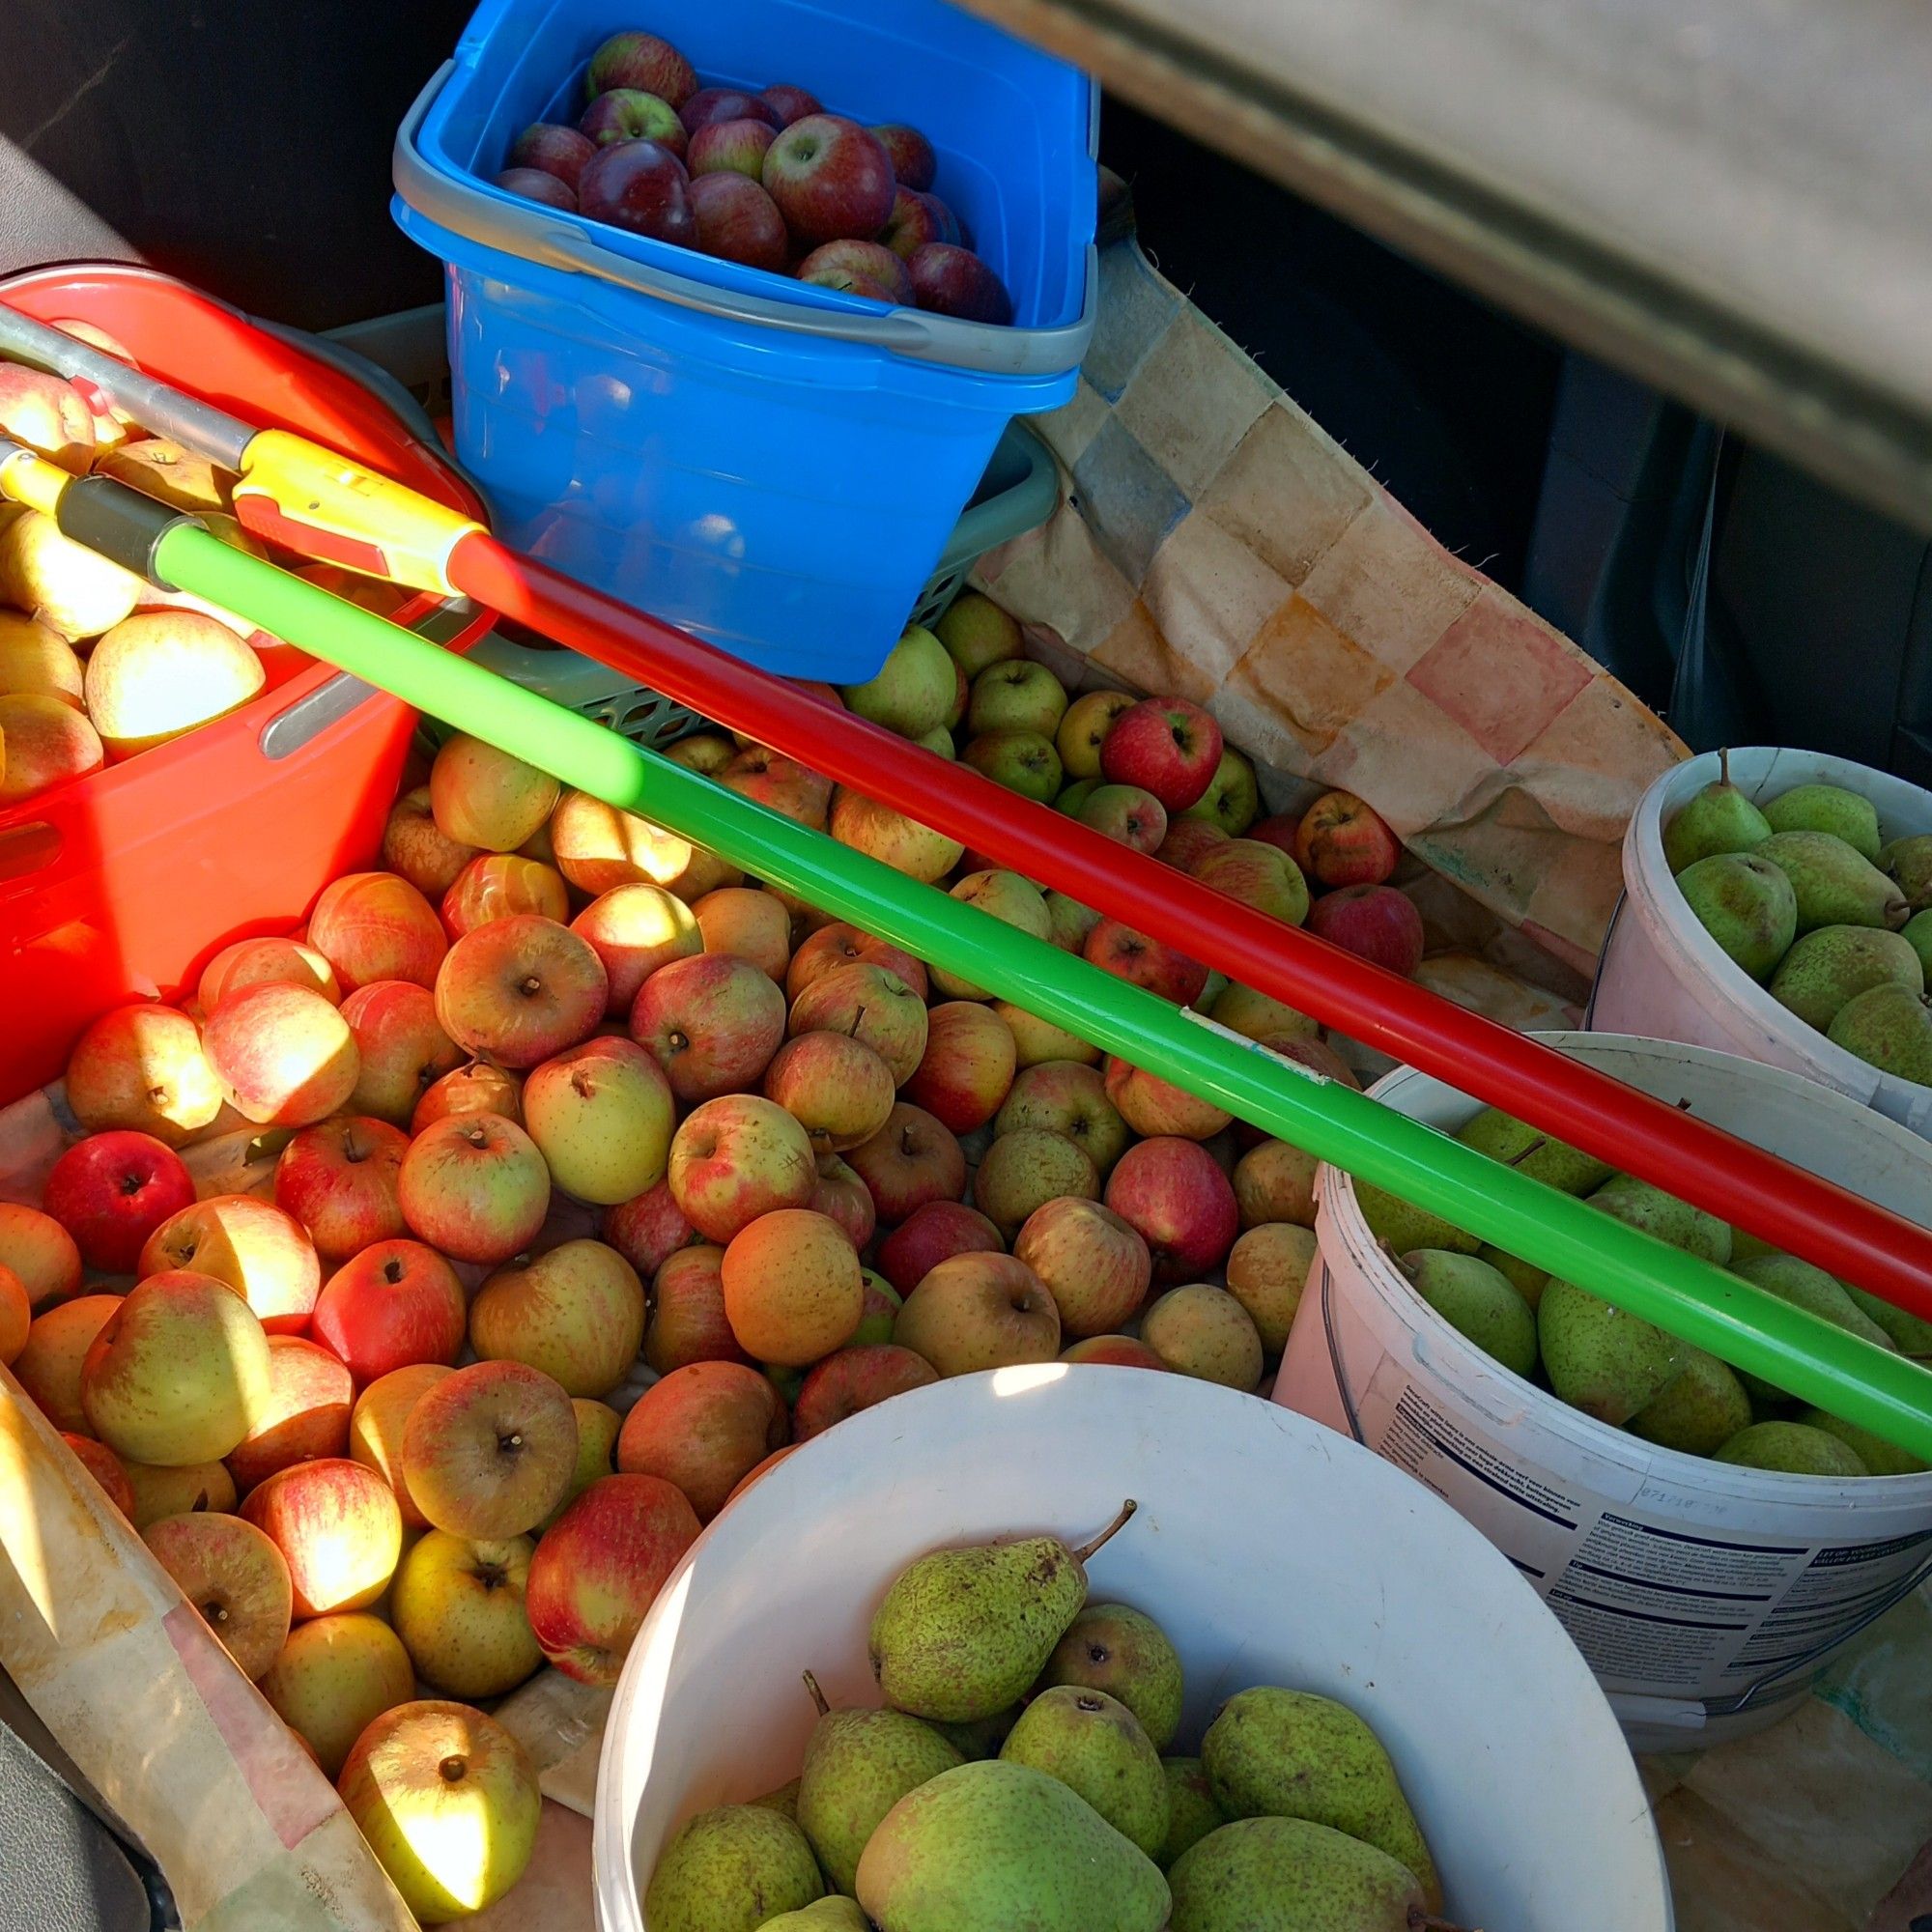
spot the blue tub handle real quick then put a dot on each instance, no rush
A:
(480, 212)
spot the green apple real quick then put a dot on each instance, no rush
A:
(912, 691)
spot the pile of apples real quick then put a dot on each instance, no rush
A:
(769, 179)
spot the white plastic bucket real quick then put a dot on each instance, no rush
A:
(1705, 1597)
(1662, 976)
(1269, 1549)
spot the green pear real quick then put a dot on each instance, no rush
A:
(1401, 1226)
(1290, 1875)
(995, 1846)
(964, 1633)
(1880, 1456)
(1600, 1359)
(730, 1870)
(1833, 884)
(826, 1914)
(1531, 1152)
(1794, 1448)
(1744, 1245)
(1827, 808)
(1812, 1289)
(1717, 819)
(858, 1764)
(1745, 904)
(1908, 864)
(1095, 1747)
(1272, 1752)
(1528, 1281)
(979, 1737)
(1917, 934)
(1192, 1812)
(1698, 1413)
(1636, 1204)
(1114, 1648)
(783, 1801)
(1890, 1028)
(1909, 1334)
(1834, 965)
(1478, 1302)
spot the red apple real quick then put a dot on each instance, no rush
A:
(1126, 815)
(1340, 841)
(234, 1575)
(967, 1065)
(535, 185)
(711, 105)
(687, 1322)
(40, 1252)
(789, 102)
(870, 1004)
(248, 962)
(401, 1048)
(639, 185)
(749, 922)
(840, 1195)
(930, 1234)
(911, 1160)
(494, 885)
(141, 1067)
(49, 1366)
(633, 930)
(835, 1087)
(648, 1229)
(1095, 1266)
(1174, 1195)
(641, 60)
(339, 1528)
(793, 1288)
(1166, 746)
(104, 1467)
(1280, 830)
(256, 1249)
(476, 1187)
(844, 263)
(394, 1304)
(1115, 1351)
(712, 1022)
(477, 1088)
(415, 847)
(839, 945)
(284, 1055)
(374, 926)
(781, 784)
(855, 1378)
(1375, 923)
(738, 221)
(913, 164)
(339, 1179)
(702, 1428)
(1150, 1105)
(311, 1392)
(630, 114)
(1258, 874)
(731, 147)
(520, 991)
(558, 151)
(490, 1450)
(112, 1191)
(952, 280)
(735, 1159)
(1144, 961)
(1189, 841)
(915, 220)
(830, 178)
(980, 1310)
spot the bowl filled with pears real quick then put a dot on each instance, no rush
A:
(1083, 1649)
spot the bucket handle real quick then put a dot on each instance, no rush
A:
(482, 213)
(1342, 1390)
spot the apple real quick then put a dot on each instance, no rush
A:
(706, 752)
(940, 738)
(40, 1252)
(1204, 1332)
(878, 1310)
(1267, 1273)
(597, 847)
(1375, 923)
(284, 1055)
(415, 848)
(1151, 1106)
(49, 1365)
(477, 1088)
(648, 1229)
(1068, 921)
(106, 1468)
(489, 1450)
(1025, 1169)
(967, 1068)
(1083, 729)
(599, 1568)
(779, 783)
(866, 1002)
(630, 114)
(792, 1287)
(1093, 1263)
(712, 1022)
(760, 1470)
(337, 1527)
(830, 178)
(47, 743)
(458, 1606)
(261, 1252)
(855, 1378)
(1258, 874)
(485, 798)
(846, 264)
(376, 1424)
(702, 1428)
(915, 219)
(338, 1178)
(141, 1067)
(839, 945)
(836, 1088)
(911, 1160)
(72, 590)
(555, 150)
(1016, 694)
(980, 1310)
(332, 1677)
(1115, 1351)
(891, 838)
(1068, 1097)
(789, 102)
(234, 1575)
(1174, 1195)
(910, 153)
(16, 1315)
(1340, 841)
(731, 147)
(930, 1234)
(642, 186)
(644, 61)
(712, 106)
(159, 1492)
(1005, 896)
(46, 414)
(735, 1159)
(842, 1196)
(306, 1415)
(597, 1428)
(1166, 746)
(1256, 1015)
(602, 1117)
(747, 924)
(978, 633)
(737, 220)
(576, 1312)
(396, 1302)
(1233, 799)
(952, 280)
(497, 884)
(1020, 762)
(1144, 961)
(912, 691)
(476, 1186)
(260, 962)
(1275, 1181)
(1189, 841)
(111, 1191)
(1126, 815)
(401, 1048)
(520, 991)
(374, 925)
(161, 673)
(633, 930)
(687, 1322)
(447, 1801)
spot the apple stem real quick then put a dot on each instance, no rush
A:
(817, 1695)
(1113, 1529)
(452, 1770)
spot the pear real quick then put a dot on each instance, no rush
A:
(1601, 1360)
(1289, 1875)
(1531, 1152)
(784, 1799)
(1917, 934)
(826, 1914)
(1095, 1747)
(1909, 1334)
(994, 1846)
(979, 1737)
(1699, 1411)
(1793, 1447)
(1745, 1244)
(1636, 1204)
(1812, 1289)
(1833, 884)
(1191, 1812)
(1827, 808)
(1476, 1300)
(1401, 1226)
(964, 1633)
(1720, 819)
(730, 1870)
(858, 1764)
(1880, 1456)
(1908, 864)
(1830, 967)
(1528, 1281)
(1745, 904)
(1890, 1028)
(1114, 1648)
(1272, 1752)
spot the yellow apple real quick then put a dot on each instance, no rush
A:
(458, 1606)
(332, 1676)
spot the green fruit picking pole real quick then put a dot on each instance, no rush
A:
(1701, 1303)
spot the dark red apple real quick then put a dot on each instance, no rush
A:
(558, 151)
(643, 186)
(788, 103)
(724, 103)
(629, 114)
(644, 61)
(849, 265)
(915, 220)
(913, 164)
(951, 280)
(1373, 921)
(1280, 830)
(111, 1191)
(534, 184)
(830, 178)
(738, 221)
(737, 145)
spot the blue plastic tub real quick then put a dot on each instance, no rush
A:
(773, 466)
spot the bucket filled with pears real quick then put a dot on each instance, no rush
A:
(1709, 1540)
(923, 1677)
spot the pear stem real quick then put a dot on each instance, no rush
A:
(1724, 766)
(1523, 1154)
(1395, 1260)
(817, 1695)
(1426, 1921)
(1119, 1524)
